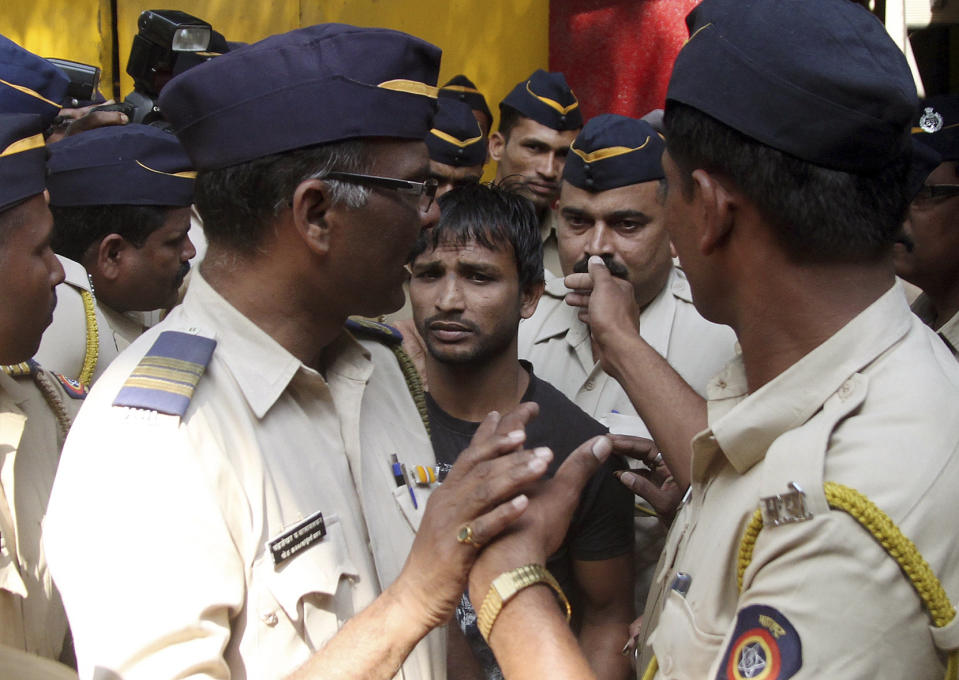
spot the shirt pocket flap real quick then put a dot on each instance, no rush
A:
(316, 569)
(682, 649)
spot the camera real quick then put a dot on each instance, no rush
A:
(84, 81)
(167, 43)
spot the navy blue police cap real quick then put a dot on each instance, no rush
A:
(818, 79)
(546, 98)
(925, 159)
(313, 85)
(614, 151)
(938, 125)
(456, 138)
(29, 83)
(22, 158)
(463, 89)
(120, 165)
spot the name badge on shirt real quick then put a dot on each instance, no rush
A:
(297, 538)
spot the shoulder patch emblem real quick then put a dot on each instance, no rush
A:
(374, 330)
(764, 646)
(930, 121)
(74, 388)
(167, 375)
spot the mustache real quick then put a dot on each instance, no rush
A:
(181, 274)
(517, 182)
(615, 268)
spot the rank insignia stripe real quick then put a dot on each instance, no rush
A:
(168, 374)
(764, 646)
(297, 538)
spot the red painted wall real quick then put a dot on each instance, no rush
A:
(617, 54)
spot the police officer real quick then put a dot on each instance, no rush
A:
(120, 198)
(927, 257)
(610, 205)
(36, 407)
(74, 347)
(538, 120)
(460, 88)
(456, 145)
(249, 476)
(804, 549)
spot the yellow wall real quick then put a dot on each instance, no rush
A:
(496, 43)
(79, 29)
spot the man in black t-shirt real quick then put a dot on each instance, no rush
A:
(475, 275)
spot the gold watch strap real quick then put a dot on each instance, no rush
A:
(506, 585)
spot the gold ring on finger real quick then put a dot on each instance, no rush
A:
(465, 535)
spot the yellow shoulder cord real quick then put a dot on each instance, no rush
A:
(92, 352)
(893, 541)
(651, 669)
(413, 383)
(49, 392)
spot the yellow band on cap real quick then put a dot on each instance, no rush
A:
(184, 174)
(552, 103)
(701, 28)
(608, 152)
(32, 93)
(411, 86)
(461, 88)
(446, 137)
(919, 130)
(21, 145)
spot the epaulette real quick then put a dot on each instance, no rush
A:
(373, 330)
(21, 370)
(167, 375)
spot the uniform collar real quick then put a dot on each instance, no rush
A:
(745, 425)
(949, 331)
(262, 368)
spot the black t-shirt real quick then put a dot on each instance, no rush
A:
(602, 525)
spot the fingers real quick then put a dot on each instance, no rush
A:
(488, 526)
(580, 300)
(637, 448)
(664, 498)
(579, 282)
(581, 464)
(97, 119)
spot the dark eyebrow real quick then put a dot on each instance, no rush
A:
(570, 211)
(429, 265)
(620, 215)
(478, 267)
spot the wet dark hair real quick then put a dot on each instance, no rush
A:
(493, 217)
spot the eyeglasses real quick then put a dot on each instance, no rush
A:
(928, 192)
(425, 191)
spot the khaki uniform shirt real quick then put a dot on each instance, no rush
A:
(126, 327)
(547, 232)
(558, 345)
(171, 515)
(949, 331)
(874, 408)
(64, 343)
(31, 613)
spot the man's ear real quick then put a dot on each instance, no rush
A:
(109, 256)
(497, 142)
(310, 213)
(717, 209)
(531, 296)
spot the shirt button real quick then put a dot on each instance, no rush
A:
(845, 390)
(270, 619)
(589, 385)
(666, 664)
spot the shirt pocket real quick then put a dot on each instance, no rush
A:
(316, 570)
(683, 650)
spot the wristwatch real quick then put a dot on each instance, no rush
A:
(507, 584)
